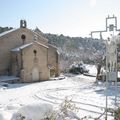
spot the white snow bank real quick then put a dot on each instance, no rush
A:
(33, 112)
(5, 115)
(92, 69)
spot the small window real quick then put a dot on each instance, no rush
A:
(23, 37)
(35, 52)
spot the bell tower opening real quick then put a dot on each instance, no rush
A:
(23, 24)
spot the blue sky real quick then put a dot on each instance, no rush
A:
(68, 17)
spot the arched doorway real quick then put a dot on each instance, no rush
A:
(35, 74)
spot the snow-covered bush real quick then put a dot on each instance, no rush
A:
(33, 112)
(4, 115)
(117, 114)
(66, 111)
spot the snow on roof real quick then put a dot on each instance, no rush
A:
(40, 35)
(21, 47)
(6, 32)
(58, 52)
(41, 44)
(53, 46)
(26, 45)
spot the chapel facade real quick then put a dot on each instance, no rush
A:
(28, 55)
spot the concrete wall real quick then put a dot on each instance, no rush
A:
(23, 63)
(31, 62)
(53, 59)
(13, 40)
(16, 63)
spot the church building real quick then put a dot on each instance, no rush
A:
(26, 54)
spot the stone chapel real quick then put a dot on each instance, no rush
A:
(26, 54)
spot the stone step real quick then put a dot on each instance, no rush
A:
(9, 79)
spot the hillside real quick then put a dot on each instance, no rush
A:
(3, 29)
(76, 49)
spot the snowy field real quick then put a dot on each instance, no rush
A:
(88, 98)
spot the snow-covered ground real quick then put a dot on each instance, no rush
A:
(88, 97)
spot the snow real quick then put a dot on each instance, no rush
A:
(5, 115)
(26, 45)
(33, 112)
(6, 32)
(92, 69)
(33, 100)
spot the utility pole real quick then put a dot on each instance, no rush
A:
(111, 57)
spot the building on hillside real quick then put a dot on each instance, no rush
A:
(26, 54)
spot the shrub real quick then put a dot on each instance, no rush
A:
(66, 111)
(117, 114)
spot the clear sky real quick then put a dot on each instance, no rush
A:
(68, 17)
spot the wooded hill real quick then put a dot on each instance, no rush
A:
(3, 29)
(76, 49)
